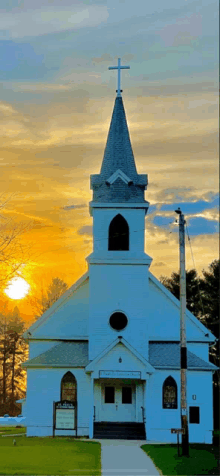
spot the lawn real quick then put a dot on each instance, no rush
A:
(47, 456)
(203, 459)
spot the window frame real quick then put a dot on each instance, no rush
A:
(122, 328)
(170, 382)
(190, 415)
(72, 378)
(124, 387)
(112, 241)
(109, 386)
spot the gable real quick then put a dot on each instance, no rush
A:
(121, 357)
(118, 174)
(67, 318)
(164, 316)
(128, 360)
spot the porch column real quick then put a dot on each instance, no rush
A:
(147, 401)
(92, 407)
(137, 401)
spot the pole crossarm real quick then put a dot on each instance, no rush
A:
(119, 68)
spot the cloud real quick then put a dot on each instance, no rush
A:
(198, 224)
(159, 263)
(40, 225)
(103, 58)
(38, 20)
(183, 31)
(212, 215)
(85, 230)
(7, 109)
(174, 194)
(201, 217)
(71, 207)
(206, 207)
(41, 87)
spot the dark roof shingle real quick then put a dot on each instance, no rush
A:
(167, 355)
(65, 354)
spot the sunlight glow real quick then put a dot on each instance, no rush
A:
(17, 288)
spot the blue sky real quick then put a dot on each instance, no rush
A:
(56, 101)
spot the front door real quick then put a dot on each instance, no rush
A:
(118, 402)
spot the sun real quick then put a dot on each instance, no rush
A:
(17, 288)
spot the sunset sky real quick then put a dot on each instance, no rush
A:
(56, 101)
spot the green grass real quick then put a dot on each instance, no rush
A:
(11, 430)
(47, 456)
(203, 459)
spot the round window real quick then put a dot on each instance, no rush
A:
(118, 321)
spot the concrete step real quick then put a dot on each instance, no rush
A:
(122, 430)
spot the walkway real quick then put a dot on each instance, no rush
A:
(125, 458)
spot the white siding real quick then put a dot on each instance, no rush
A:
(200, 349)
(70, 319)
(102, 219)
(160, 421)
(43, 387)
(118, 288)
(164, 317)
(40, 346)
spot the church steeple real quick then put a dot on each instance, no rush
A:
(118, 180)
(118, 151)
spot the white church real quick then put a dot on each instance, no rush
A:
(104, 360)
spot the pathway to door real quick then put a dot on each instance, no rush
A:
(125, 458)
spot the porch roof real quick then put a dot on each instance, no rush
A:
(162, 355)
(65, 354)
(165, 355)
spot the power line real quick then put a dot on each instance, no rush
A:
(194, 265)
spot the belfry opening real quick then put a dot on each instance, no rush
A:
(118, 237)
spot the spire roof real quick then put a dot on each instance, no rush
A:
(118, 180)
(118, 151)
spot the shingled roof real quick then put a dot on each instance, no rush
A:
(118, 151)
(118, 156)
(167, 355)
(65, 354)
(162, 355)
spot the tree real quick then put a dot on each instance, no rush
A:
(209, 285)
(13, 253)
(202, 297)
(49, 296)
(17, 350)
(13, 351)
(193, 297)
(202, 294)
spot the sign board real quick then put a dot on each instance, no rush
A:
(65, 419)
(178, 430)
(64, 415)
(119, 374)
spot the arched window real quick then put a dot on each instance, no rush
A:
(169, 393)
(68, 387)
(118, 238)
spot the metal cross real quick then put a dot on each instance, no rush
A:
(119, 67)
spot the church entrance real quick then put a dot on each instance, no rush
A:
(118, 402)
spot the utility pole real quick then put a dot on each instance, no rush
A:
(183, 348)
